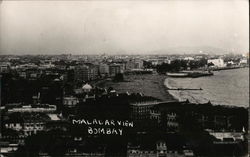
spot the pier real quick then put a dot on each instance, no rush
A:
(185, 89)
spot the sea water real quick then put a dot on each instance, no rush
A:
(226, 87)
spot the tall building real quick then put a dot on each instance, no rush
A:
(86, 72)
(81, 73)
(93, 72)
(141, 110)
(104, 69)
(114, 69)
(134, 64)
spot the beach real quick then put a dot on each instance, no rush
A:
(147, 84)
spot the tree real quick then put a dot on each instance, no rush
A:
(210, 64)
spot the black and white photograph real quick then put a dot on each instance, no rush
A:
(124, 78)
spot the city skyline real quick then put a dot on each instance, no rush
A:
(123, 27)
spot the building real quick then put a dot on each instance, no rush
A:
(172, 120)
(164, 117)
(57, 125)
(244, 61)
(93, 72)
(134, 64)
(223, 136)
(81, 73)
(7, 148)
(43, 108)
(86, 72)
(86, 88)
(188, 58)
(141, 110)
(114, 69)
(217, 62)
(70, 101)
(4, 67)
(188, 153)
(104, 69)
(26, 123)
(155, 115)
(161, 149)
(137, 152)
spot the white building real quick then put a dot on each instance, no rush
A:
(217, 62)
(86, 88)
(243, 61)
(70, 101)
(28, 124)
(38, 108)
(189, 58)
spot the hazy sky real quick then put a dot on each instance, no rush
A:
(109, 26)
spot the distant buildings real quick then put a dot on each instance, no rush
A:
(45, 108)
(4, 67)
(27, 123)
(159, 150)
(137, 152)
(225, 136)
(244, 61)
(189, 58)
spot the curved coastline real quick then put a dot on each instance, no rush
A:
(167, 85)
(169, 95)
(174, 94)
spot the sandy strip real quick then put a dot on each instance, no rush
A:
(148, 84)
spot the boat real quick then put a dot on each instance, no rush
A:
(192, 74)
(200, 74)
(177, 74)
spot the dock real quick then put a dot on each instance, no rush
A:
(185, 89)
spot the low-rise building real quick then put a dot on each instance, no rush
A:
(172, 120)
(136, 152)
(42, 108)
(141, 110)
(70, 101)
(217, 62)
(26, 123)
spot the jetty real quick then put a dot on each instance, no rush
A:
(192, 74)
(185, 89)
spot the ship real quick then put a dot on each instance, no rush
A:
(200, 74)
(177, 74)
(193, 74)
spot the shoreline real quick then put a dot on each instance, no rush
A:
(166, 88)
(147, 84)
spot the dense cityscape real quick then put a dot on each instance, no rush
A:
(115, 105)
